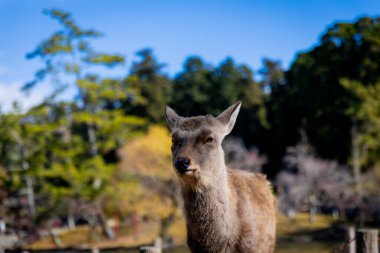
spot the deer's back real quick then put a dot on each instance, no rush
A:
(256, 211)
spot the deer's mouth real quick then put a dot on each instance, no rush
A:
(189, 171)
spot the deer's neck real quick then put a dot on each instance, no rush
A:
(209, 211)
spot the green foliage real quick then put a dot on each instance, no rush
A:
(192, 88)
(69, 148)
(346, 50)
(151, 89)
(203, 89)
(105, 59)
(281, 117)
(364, 110)
(67, 53)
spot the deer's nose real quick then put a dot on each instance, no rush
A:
(182, 164)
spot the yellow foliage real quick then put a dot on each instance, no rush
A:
(153, 205)
(147, 159)
(149, 155)
(122, 194)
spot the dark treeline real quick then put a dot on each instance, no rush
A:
(67, 151)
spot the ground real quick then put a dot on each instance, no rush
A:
(298, 229)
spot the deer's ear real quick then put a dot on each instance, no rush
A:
(228, 117)
(172, 117)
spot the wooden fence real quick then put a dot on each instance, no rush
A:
(361, 241)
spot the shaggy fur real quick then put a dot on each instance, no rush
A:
(226, 210)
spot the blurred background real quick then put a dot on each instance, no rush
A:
(85, 160)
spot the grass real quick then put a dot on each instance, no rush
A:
(309, 247)
(301, 223)
(78, 238)
(286, 227)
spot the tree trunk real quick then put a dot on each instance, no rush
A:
(55, 238)
(71, 222)
(92, 140)
(356, 159)
(165, 224)
(30, 191)
(107, 230)
(29, 183)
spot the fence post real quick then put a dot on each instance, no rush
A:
(150, 249)
(158, 243)
(95, 250)
(156, 248)
(367, 241)
(350, 240)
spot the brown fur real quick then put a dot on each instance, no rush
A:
(226, 210)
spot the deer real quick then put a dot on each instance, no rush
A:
(226, 210)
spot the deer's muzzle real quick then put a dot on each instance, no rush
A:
(182, 165)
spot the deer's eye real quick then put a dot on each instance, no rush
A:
(175, 142)
(209, 139)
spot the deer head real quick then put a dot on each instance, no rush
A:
(197, 154)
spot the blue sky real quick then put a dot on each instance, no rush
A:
(214, 29)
